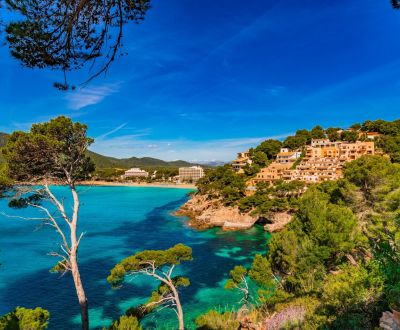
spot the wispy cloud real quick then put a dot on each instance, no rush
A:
(90, 95)
(114, 130)
(191, 150)
(275, 90)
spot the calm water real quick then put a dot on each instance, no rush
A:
(118, 221)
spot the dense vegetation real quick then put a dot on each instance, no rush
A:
(336, 265)
(339, 257)
(25, 319)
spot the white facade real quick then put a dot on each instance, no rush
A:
(136, 173)
(192, 173)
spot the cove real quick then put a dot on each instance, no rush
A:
(117, 222)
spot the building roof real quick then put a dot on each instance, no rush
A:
(289, 153)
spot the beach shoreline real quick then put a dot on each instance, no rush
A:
(136, 184)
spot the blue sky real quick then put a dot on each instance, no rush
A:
(206, 79)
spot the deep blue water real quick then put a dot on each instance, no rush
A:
(118, 221)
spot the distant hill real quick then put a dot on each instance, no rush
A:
(111, 162)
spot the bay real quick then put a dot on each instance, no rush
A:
(117, 222)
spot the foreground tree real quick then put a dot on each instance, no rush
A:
(25, 319)
(239, 282)
(53, 152)
(65, 35)
(158, 264)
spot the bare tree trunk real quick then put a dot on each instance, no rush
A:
(74, 262)
(178, 307)
(80, 292)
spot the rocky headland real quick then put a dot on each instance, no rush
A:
(205, 212)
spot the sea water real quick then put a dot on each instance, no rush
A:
(117, 222)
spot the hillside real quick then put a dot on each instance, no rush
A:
(335, 263)
(111, 162)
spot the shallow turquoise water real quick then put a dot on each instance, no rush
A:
(118, 221)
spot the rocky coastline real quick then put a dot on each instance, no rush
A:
(205, 212)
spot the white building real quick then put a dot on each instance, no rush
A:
(287, 156)
(136, 173)
(192, 173)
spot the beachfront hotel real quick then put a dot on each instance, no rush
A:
(136, 173)
(191, 174)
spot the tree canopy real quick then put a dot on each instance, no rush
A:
(53, 150)
(65, 35)
(25, 319)
(158, 264)
(139, 261)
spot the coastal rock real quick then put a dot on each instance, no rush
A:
(390, 320)
(205, 212)
(277, 221)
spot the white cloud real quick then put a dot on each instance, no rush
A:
(90, 95)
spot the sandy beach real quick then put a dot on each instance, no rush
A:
(135, 184)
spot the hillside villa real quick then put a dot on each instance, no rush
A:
(286, 156)
(243, 159)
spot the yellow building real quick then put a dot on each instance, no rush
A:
(271, 173)
(243, 159)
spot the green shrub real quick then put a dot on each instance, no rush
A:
(25, 319)
(213, 320)
(126, 323)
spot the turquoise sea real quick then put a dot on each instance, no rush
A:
(118, 221)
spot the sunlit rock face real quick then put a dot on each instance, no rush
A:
(208, 213)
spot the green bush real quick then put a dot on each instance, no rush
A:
(25, 319)
(126, 323)
(213, 320)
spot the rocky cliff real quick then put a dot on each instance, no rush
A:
(205, 212)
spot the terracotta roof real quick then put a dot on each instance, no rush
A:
(240, 160)
(290, 153)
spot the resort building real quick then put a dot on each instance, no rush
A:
(243, 159)
(287, 156)
(352, 151)
(316, 170)
(191, 174)
(271, 173)
(136, 173)
(323, 161)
